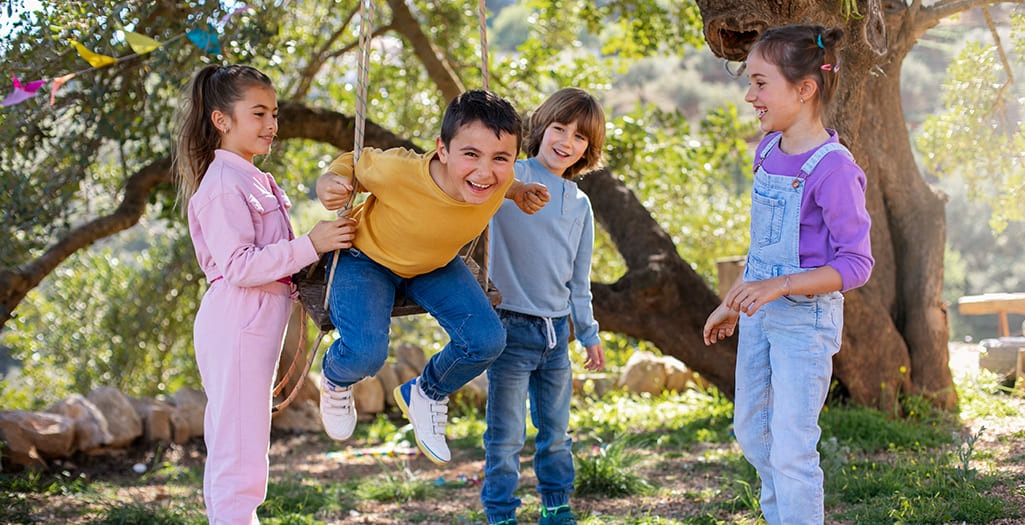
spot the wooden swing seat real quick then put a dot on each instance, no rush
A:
(311, 282)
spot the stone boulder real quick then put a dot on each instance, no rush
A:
(299, 416)
(369, 397)
(156, 419)
(91, 428)
(679, 377)
(389, 380)
(32, 437)
(644, 372)
(187, 420)
(124, 423)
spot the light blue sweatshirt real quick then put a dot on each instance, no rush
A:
(541, 263)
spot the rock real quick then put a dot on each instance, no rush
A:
(91, 429)
(678, 376)
(123, 422)
(187, 421)
(156, 419)
(369, 397)
(412, 356)
(404, 372)
(644, 372)
(389, 380)
(299, 416)
(34, 436)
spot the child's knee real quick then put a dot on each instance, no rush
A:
(491, 341)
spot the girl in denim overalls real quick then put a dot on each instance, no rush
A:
(809, 243)
(238, 220)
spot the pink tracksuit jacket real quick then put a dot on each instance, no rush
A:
(238, 219)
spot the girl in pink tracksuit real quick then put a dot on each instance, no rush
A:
(238, 219)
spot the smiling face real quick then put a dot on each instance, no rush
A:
(562, 145)
(475, 164)
(250, 128)
(776, 101)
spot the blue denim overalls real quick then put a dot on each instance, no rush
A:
(784, 354)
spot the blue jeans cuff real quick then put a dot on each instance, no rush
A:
(556, 499)
(499, 518)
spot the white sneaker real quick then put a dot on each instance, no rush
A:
(428, 417)
(337, 411)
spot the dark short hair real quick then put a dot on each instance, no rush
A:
(479, 105)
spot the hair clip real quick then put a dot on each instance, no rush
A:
(826, 67)
(819, 41)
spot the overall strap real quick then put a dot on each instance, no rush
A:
(819, 154)
(768, 147)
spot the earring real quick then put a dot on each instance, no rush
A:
(802, 100)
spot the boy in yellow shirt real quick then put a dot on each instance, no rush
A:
(421, 210)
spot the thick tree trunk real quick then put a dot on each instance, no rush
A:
(661, 298)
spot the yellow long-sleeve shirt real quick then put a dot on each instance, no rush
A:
(408, 224)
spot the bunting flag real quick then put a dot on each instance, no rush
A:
(57, 83)
(22, 93)
(205, 38)
(141, 44)
(94, 59)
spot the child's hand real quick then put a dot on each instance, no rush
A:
(595, 358)
(333, 191)
(748, 296)
(328, 236)
(531, 197)
(721, 323)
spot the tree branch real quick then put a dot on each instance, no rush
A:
(295, 121)
(438, 70)
(932, 15)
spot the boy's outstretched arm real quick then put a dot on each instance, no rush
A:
(530, 197)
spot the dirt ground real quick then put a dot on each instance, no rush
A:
(312, 456)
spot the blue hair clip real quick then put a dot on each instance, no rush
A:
(819, 41)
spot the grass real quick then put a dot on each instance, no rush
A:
(629, 450)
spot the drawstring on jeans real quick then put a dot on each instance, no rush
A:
(550, 332)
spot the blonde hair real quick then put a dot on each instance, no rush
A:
(213, 88)
(566, 106)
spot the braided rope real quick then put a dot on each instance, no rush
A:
(482, 23)
(366, 15)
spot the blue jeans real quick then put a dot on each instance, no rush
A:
(528, 369)
(784, 364)
(361, 300)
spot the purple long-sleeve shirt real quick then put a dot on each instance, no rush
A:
(834, 221)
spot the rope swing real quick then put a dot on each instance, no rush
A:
(314, 282)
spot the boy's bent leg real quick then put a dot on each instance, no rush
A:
(361, 299)
(360, 303)
(454, 297)
(476, 336)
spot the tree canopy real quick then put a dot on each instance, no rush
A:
(83, 176)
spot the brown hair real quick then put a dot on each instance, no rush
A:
(804, 51)
(213, 88)
(566, 106)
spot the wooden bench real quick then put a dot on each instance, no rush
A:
(994, 303)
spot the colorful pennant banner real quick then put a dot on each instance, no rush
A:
(205, 38)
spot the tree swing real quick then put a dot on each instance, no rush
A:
(314, 282)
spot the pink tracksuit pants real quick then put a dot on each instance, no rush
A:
(238, 333)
